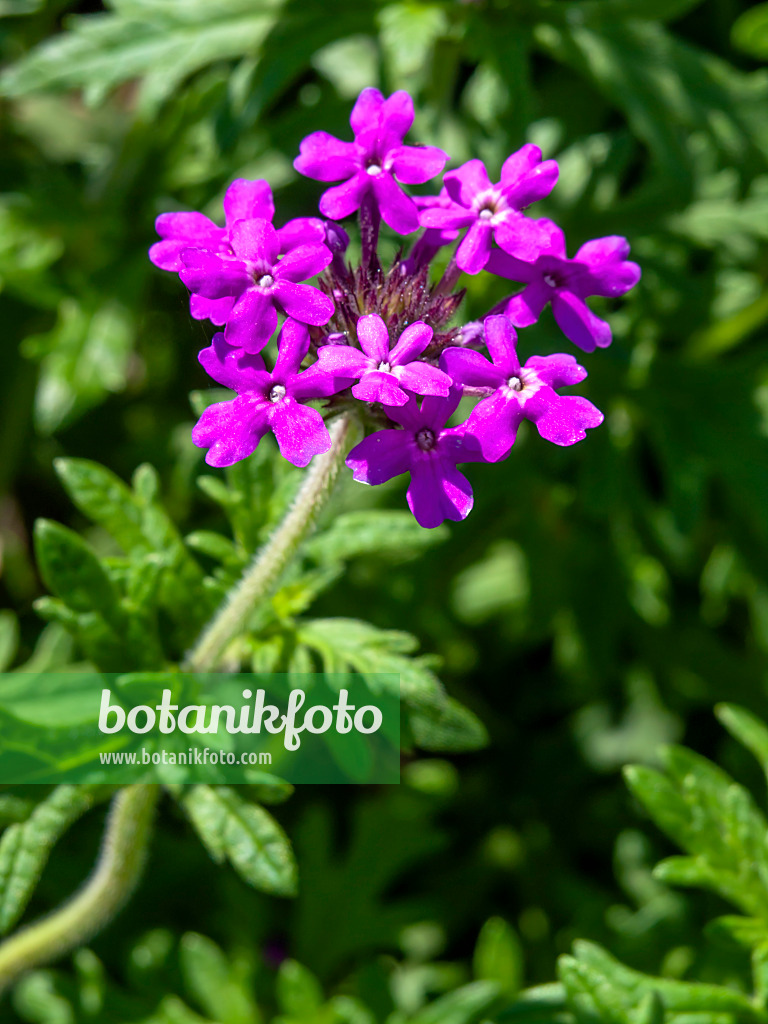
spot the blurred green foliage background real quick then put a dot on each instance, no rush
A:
(599, 600)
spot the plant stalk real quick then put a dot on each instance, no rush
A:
(117, 871)
(268, 563)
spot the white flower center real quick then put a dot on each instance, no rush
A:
(485, 214)
(373, 170)
(550, 280)
(426, 439)
(515, 383)
(277, 392)
(384, 368)
(266, 280)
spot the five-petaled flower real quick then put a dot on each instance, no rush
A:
(260, 281)
(386, 375)
(370, 165)
(426, 449)
(518, 393)
(265, 401)
(494, 211)
(600, 267)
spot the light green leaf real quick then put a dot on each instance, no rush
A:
(298, 991)
(245, 834)
(220, 989)
(73, 572)
(499, 956)
(750, 32)
(747, 729)
(446, 725)
(383, 533)
(9, 638)
(468, 1003)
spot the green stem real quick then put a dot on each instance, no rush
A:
(116, 873)
(268, 563)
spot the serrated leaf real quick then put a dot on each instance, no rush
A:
(499, 956)
(386, 534)
(25, 848)
(233, 829)
(214, 983)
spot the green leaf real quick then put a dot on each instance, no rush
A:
(36, 999)
(245, 834)
(467, 1004)
(219, 988)
(499, 956)
(750, 32)
(747, 729)
(446, 725)
(298, 991)
(744, 931)
(25, 847)
(73, 572)
(382, 533)
(9, 638)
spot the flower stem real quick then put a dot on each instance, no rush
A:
(450, 277)
(370, 222)
(269, 562)
(116, 873)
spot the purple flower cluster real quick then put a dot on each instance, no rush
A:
(384, 342)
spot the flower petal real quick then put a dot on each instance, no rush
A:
(579, 323)
(376, 386)
(503, 265)
(467, 182)
(470, 368)
(535, 185)
(373, 336)
(435, 412)
(198, 230)
(231, 430)
(300, 231)
(424, 379)
(342, 200)
(526, 307)
(493, 423)
(292, 346)
(326, 158)
(319, 382)
(232, 368)
(215, 310)
(380, 456)
(475, 248)
(367, 110)
(396, 116)
(438, 491)
(410, 344)
(520, 237)
(413, 165)
(252, 322)
(255, 240)
(303, 302)
(300, 432)
(519, 164)
(212, 276)
(562, 419)
(558, 371)
(245, 200)
(446, 217)
(397, 209)
(343, 361)
(501, 339)
(303, 262)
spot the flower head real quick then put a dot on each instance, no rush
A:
(265, 401)
(519, 393)
(386, 375)
(426, 449)
(600, 267)
(260, 282)
(374, 163)
(493, 211)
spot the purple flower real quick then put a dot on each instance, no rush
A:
(369, 165)
(519, 393)
(243, 200)
(600, 267)
(493, 211)
(384, 374)
(427, 450)
(265, 401)
(259, 282)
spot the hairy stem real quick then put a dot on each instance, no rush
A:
(269, 562)
(370, 222)
(450, 277)
(116, 873)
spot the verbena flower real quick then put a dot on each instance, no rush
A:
(386, 375)
(385, 343)
(494, 211)
(243, 200)
(374, 163)
(600, 267)
(518, 393)
(265, 401)
(426, 449)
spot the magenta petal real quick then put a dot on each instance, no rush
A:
(413, 165)
(255, 240)
(501, 339)
(503, 265)
(245, 200)
(213, 277)
(446, 218)
(342, 200)
(366, 111)
(535, 185)
(377, 386)
(300, 231)
(304, 303)
(343, 361)
(438, 491)
(475, 248)
(318, 382)
(373, 336)
(493, 423)
(231, 430)
(525, 308)
(467, 181)
(553, 238)
(252, 322)
(563, 420)
(215, 310)
(519, 164)
(410, 344)
(167, 254)
(300, 432)
(326, 158)
(396, 115)
(194, 228)
(435, 411)
(303, 262)
(292, 346)
(520, 237)
(558, 371)
(470, 368)
(380, 456)
(232, 368)
(397, 209)
(579, 323)
(610, 249)
(424, 379)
